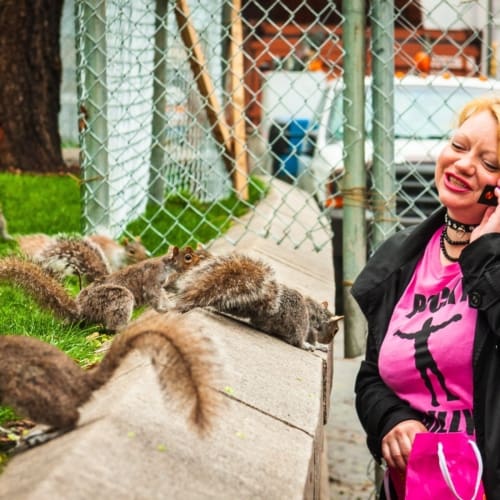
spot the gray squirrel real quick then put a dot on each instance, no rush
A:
(43, 383)
(88, 257)
(119, 255)
(69, 255)
(4, 233)
(247, 288)
(109, 300)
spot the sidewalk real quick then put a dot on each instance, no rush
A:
(350, 465)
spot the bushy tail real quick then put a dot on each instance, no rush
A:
(75, 256)
(44, 289)
(32, 245)
(229, 283)
(184, 360)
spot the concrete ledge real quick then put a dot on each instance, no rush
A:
(268, 442)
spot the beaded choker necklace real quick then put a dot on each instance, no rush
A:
(443, 246)
(459, 226)
(446, 236)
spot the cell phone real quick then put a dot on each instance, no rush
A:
(488, 196)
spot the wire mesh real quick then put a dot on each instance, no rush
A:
(187, 99)
(160, 91)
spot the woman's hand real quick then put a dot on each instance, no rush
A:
(490, 222)
(397, 443)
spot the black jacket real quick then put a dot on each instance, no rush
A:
(378, 288)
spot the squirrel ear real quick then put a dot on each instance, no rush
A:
(335, 319)
(175, 251)
(325, 304)
(125, 241)
(188, 249)
(138, 239)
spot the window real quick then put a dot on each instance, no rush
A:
(421, 112)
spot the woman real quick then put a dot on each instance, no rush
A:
(431, 295)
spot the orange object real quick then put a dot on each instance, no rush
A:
(334, 202)
(422, 61)
(315, 65)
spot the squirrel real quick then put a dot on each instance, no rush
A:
(246, 287)
(66, 256)
(109, 300)
(91, 256)
(31, 245)
(44, 384)
(121, 254)
(4, 233)
(184, 259)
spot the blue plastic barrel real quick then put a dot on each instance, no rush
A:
(289, 139)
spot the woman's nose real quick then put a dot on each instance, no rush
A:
(466, 163)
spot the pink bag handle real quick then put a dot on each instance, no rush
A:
(387, 488)
(446, 473)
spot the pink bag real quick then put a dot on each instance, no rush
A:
(445, 466)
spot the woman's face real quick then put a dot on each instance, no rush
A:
(466, 165)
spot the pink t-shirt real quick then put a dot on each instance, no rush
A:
(426, 356)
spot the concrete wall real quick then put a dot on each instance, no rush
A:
(269, 441)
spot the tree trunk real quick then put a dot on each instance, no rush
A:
(30, 81)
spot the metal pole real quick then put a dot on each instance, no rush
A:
(490, 45)
(157, 175)
(94, 132)
(384, 175)
(354, 183)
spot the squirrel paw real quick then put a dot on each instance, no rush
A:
(165, 305)
(307, 346)
(321, 347)
(314, 347)
(184, 308)
(37, 437)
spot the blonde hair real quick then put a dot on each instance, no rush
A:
(488, 102)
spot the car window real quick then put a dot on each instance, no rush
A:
(429, 112)
(420, 112)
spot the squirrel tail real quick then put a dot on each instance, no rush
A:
(183, 359)
(228, 283)
(44, 289)
(4, 233)
(75, 255)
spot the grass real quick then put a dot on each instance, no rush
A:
(184, 220)
(51, 204)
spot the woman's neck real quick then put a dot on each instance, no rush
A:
(458, 225)
(455, 236)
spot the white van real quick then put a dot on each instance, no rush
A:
(425, 112)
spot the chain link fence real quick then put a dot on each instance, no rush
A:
(179, 99)
(191, 100)
(184, 105)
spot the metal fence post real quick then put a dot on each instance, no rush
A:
(384, 192)
(354, 185)
(157, 172)
(94, 105)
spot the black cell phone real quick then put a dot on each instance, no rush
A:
(488, 196)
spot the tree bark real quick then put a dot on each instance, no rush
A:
(30, 81)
